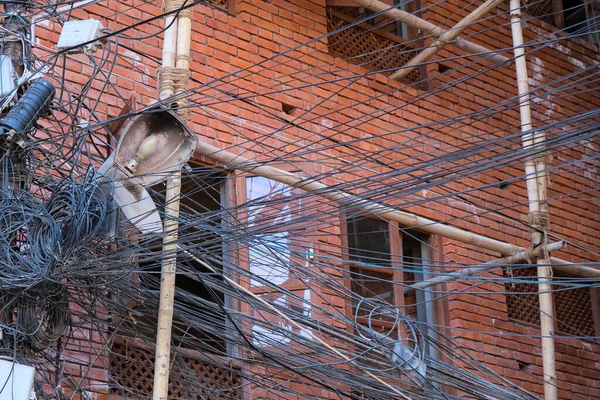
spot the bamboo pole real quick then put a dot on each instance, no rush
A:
(538, 212)
(429, 28)
(184, 32)
(233, 161)
(403, 218)
(445, 38)
(475, 269)
(178, 39)
(169, 48)
(168, 271)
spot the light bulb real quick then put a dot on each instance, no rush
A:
(147, 147)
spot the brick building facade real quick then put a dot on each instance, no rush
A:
(268, 73)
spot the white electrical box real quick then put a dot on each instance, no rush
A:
(75, 33)
(7, 76)
(17, 380)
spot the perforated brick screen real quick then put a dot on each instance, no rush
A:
(132, 372)
(573, 306)
(368, 49)
(542, 9)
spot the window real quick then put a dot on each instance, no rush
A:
(578, 17)
(576, 309)
(382, 260)
(200, 219)
(277, 247)
(198, 369)
(582, 18)
(378, 44)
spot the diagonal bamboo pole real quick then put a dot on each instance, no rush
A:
(429, 28)
(475, 269)
(445, 38)
(234, 161)
(538, 211)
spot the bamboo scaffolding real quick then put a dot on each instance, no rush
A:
(517, 258)
(431, 29)
(177, 37)
(168, 271)
(405, 219)
(169, 49)
(535, 170)
(445, 38)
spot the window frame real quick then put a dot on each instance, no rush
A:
(296, 286)
(438, 311)
(439, 306)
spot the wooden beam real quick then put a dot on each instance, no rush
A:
(559, 15)
(431, 29)
(445, 38)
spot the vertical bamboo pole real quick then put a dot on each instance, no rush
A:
(167, 290)
(169, 46)
(184, 32)
(538, 212)
(177, 37)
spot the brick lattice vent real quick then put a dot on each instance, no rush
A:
(542, 9)
(369, 49)
(132, 373)
(573, 306)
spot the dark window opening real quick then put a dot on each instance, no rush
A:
(195, 295)
(577, 17)
(582, 19)
(369, 241)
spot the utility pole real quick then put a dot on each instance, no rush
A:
(12, 66)
(13, 46)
